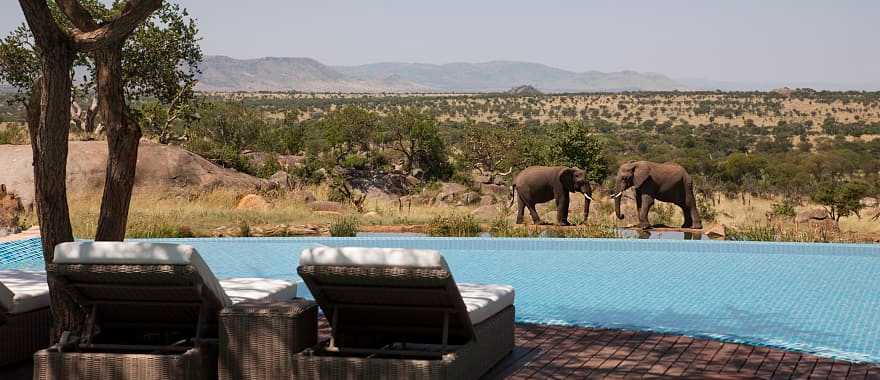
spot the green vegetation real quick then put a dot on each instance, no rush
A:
(454, 225)
(344, 226)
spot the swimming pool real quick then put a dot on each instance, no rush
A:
(818, 298)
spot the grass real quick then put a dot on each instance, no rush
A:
(344, 226)
(183, 214)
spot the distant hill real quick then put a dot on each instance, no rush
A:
(524, 90)
(220, 73)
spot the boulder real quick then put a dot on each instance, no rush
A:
(412, 181)
(326, 206)
(717, 231)
(493, 189)
(290, 162)
(812, 215)
(469, 198)
(414, 200)
(869, 202)
(453, 189)
(302, 196)
(486, 200)
(256, 159)
(372, 215)
(486, 212)
(281, 180)
(253, 202)
(159, 168)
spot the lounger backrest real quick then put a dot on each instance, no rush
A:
(382, 295)
(134, 282)
(6, 297)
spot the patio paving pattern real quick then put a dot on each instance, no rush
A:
(560, 352)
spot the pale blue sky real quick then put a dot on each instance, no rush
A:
(743, 40)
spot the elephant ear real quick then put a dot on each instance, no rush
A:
(566, 176)
(640, 175)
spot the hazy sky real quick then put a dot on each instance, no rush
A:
(742, 40)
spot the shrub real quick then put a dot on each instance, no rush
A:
(764, 232)
(783, 209)
(13, 135)
(270, 167)
(454, 225)
(662, 213)
(707, 210)
(344, 226)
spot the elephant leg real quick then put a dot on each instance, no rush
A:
(562, 203)
(535, 217)
(688, 220)
(647, 203)
(520, 210)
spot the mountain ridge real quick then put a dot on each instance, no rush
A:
(222, 73)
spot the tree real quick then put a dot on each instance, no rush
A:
(841, 198)
(48, 116)
(573, 144)
(415, 135)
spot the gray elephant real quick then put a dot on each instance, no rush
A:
(667, 182)
(539, 184)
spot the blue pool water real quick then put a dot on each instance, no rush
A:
(819, 298)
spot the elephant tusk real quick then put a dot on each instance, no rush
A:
(617, 195)
(587, 197)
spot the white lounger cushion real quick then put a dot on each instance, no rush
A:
(262, 289)
(139, 253)
(23, 291)
(484, 301)
(372, 257)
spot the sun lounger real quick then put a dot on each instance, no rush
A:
(24, 314)
(152, 311)
(398, 313)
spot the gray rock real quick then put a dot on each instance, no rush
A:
(815, 214)
(281, 180)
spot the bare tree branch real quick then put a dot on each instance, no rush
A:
(113, 32)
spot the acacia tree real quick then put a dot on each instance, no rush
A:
(48, 115)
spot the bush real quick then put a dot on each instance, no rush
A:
(765, 232)
(783, 209)
(13, 135)
(706, 209)
(344, 226)
(270, 167)
(454, 226)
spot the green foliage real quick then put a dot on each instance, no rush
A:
(454, 225)
(573, 144)
(416, 136)
(662, 213)
(764, 232)
(842, 198)
(270, 167)
(707, 210)
(503, 228)
(785, 209)
(344, 226)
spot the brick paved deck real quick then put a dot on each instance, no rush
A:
(556, 352)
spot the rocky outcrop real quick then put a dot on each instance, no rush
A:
(253, 202)
(817, 214)
(281, 180)
(159, 168)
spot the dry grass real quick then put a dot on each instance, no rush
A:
(170, 214)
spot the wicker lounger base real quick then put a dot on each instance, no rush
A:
(494, 341)
(191, 365)
(23, 334)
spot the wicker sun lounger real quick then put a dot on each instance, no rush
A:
(24, 314)
(152, 312)
(398, 313)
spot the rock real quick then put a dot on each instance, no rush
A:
(256, 159)
(253, 202)
(302, 196)
(469, 198)
(498, 180)
(412, 181)
(869, 202)
(453, 188)
(493, 189)
(717, 231)
(10, 209)
(159, 168)
(486, 212)
(326, 206)
(328, 213)
(290, 162)
(281, 180)
(372, 215)
(812, 215)
(487, 200)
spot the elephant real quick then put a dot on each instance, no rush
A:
(666, 182)
(539, 184)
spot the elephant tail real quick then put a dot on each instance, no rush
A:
(512, 195)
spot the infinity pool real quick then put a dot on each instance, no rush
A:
(818, 298)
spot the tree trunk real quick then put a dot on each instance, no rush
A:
(123, 136)
(48, 126)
